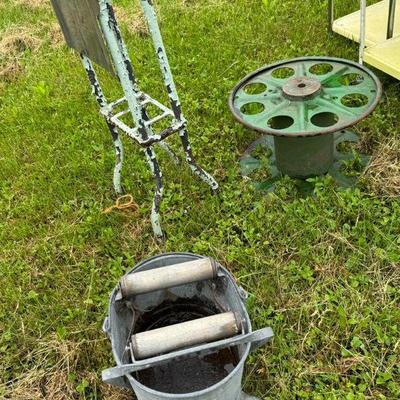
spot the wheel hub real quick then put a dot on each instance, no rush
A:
(301, 88)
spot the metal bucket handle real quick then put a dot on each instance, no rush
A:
(256, 339)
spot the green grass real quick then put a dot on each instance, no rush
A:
(322, 271)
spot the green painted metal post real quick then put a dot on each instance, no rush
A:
(302, 158)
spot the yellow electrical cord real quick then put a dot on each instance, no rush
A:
(123, 203)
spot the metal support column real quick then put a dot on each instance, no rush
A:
(331, 16)
(363, 21)
(151, 17)
(123, 65)
(119, 149)
(391, 19)
(158, 194)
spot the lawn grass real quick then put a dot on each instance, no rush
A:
(323, 271)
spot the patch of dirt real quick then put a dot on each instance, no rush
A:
(51, 375)
(55, 35)
(33, 3)
(134, 20)
(14, 42)
(383, 174)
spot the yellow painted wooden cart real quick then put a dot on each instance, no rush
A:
(377, 29)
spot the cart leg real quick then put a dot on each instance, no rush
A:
(331, 16)
(363, 21)
(205, 176)
(101, 100)
(158, 194)
(119, 157)
(166, 71)
(169, 151)
(391, 20)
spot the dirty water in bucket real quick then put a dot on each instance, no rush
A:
(189, 375)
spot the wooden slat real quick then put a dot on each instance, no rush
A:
(79, 23)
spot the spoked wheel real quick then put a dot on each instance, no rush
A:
(302, 103)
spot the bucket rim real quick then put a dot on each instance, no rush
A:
(240, 366)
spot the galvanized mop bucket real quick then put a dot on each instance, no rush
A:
(209, 369)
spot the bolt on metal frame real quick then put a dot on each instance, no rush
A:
(135, 101)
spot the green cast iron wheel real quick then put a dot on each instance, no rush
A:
(307, 96)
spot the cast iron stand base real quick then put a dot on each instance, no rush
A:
(279, 163)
